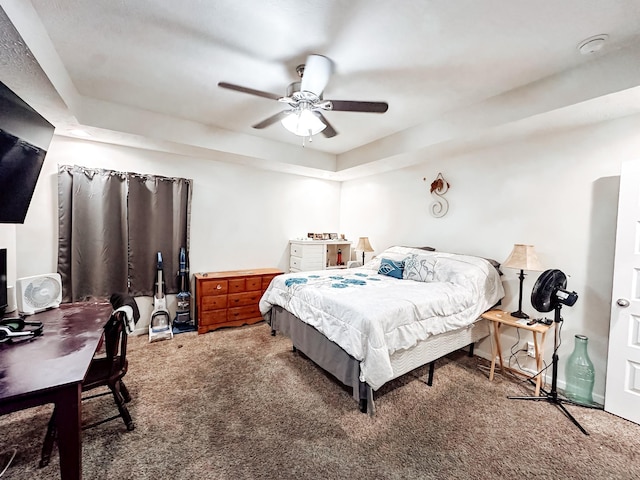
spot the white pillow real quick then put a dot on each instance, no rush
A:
(396, 253)
(419, 268)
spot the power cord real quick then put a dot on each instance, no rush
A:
(514, 355)
(546, 367)
(530, 378)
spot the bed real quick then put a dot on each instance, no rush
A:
(369, 325)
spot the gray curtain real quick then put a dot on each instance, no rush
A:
(111, 226)
(158, 222)
(92, 239)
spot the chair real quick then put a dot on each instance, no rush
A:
(104, 371)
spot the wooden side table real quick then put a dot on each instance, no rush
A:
(499, 318)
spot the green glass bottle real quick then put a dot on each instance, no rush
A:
(579, 373)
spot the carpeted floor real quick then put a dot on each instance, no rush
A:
(239, 404)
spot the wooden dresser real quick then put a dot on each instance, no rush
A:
(230, 299)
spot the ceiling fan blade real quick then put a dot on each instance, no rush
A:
(250, 91)
(353, 106)
(328, 131)
(271, 120)
(316, 74)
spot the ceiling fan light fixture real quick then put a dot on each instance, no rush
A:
(303, 123)
(305, 100)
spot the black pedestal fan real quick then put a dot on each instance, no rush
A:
(549, 294)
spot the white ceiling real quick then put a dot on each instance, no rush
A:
(454, 73)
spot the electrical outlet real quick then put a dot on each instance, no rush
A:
(531, 350)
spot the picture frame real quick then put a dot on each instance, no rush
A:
(333, 236)
(326, 236)
(317, 236)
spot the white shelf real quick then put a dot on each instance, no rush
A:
(308, 255)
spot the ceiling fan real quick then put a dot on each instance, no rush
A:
(305, 103)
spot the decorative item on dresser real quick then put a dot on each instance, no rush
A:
(306, 255)
(230, 299)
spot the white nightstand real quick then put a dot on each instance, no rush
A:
(306, 255)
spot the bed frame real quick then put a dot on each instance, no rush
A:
(333, 359)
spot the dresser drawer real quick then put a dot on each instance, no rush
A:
(213, 317)
(214, 302)
(248, 284)
(242, 299)
(305, 264)
(304, 250)
(237, 285)
(253, 284)
(242, 313)
(294, 262)
(266, 280)
(214, 287)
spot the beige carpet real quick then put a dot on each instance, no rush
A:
(239, 404)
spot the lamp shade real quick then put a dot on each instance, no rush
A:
(364, 245)
(523, 257)
(303, 123)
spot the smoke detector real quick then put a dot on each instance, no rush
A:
(592, 44)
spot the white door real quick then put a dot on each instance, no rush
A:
(622, 396)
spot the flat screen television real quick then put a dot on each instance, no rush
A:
(4, 300)
(24, 140)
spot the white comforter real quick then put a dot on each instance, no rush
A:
(371, 316)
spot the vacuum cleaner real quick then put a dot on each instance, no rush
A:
(183, 322)
(160, 324)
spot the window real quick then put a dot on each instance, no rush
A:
(111, 226)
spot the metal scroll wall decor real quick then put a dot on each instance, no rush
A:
(439, 187)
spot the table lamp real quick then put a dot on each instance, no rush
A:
(523, 257)
(364, 246)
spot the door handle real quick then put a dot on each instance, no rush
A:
(623, 302)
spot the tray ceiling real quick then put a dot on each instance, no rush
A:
(455, 74)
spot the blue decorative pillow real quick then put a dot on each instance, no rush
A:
(392, 268)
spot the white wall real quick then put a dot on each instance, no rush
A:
(556, 191)
(241, 217)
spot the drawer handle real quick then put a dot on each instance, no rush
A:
(219, 287)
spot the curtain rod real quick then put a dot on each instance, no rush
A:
(103, 171)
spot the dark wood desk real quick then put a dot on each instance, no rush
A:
(50, 369)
